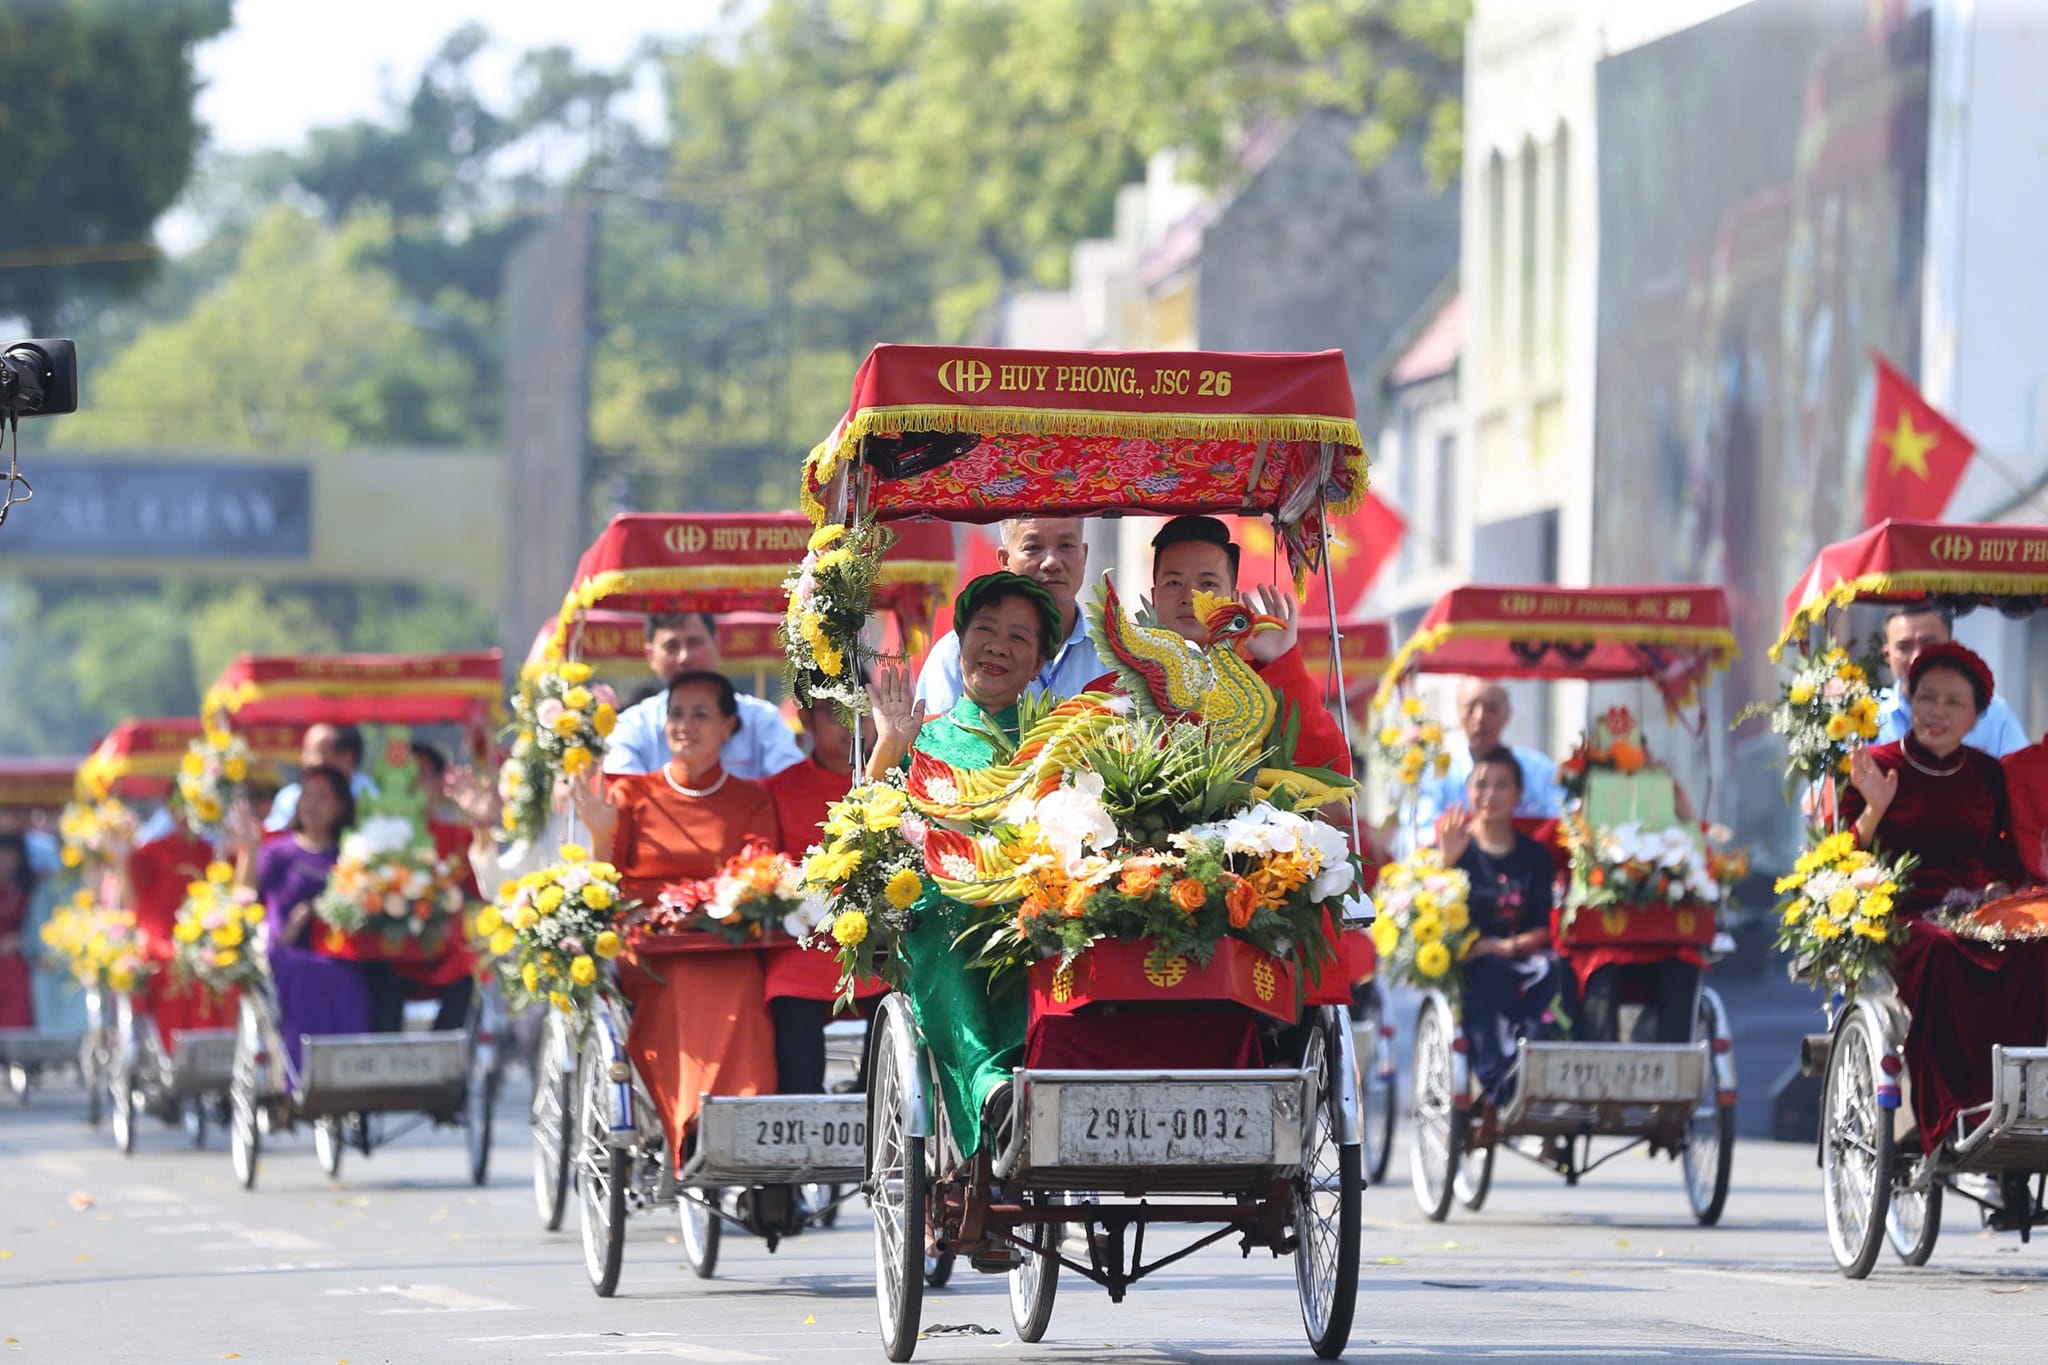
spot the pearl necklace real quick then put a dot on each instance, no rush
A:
(1961, 759)
(693, 793)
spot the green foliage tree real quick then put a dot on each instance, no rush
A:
(306, 346)
(96, 115)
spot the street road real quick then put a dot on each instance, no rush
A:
(160, 1257)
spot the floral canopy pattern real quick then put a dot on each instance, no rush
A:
(613, 642)
(1956, 565)
(139, 759)
(1674, 635)
(723, 562)
(976, 434)
(464, 689)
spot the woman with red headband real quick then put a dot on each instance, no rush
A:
(1930, 795)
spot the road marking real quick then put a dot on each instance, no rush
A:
(623, 1344)
(438, 1298)
(270, 1239)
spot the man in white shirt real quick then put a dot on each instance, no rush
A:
(1050, 551)
(324, 746)
(687, 642)
(1907, 631)
(1483, 714)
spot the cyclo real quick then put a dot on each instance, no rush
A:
(593, 1114)
(1676, 1098)
(1254, 1131)
(1366, 647)
(1880, 1182)
(34, 790)
(168, 1052)
(444, 1077)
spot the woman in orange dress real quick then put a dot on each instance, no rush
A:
(700, 1018)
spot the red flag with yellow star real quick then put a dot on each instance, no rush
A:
(1917, 456)
(1361, 544)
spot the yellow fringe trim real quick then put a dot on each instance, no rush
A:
(1717, 638)
(936, 574)
(1847, 591)
(835, 451)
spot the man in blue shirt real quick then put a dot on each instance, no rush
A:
(687, 642)
(324, 746)
(1907, 631)
(1483, 714)
(1050, 551)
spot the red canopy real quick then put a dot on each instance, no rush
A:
(361, 689)
(139, 758)
(1365, 646)
(738, 561)
(614, 642)
(1959, 564)
(979, 433)
(1674, 635)
(37, 783)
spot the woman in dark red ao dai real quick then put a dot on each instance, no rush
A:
(1930, 795)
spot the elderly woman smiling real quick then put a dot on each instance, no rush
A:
(1006, 624)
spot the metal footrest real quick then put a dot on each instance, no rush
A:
(2011, 1133)
(26, 1047)
(1622, 1089)
(202, 1062)
(779, 1140)
(369, 1072)
(1159, 1131)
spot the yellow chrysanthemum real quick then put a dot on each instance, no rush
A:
(1842, 902)
(567, 724)
(832, 561)
(1432, 960)
(886, 808)
(607, 945)
(1386, 935)
(503, 942)
(604, 719)
(578, 698)
(549, 900)
(1840, 727)
(572, 853)
(903, 889)
(597, 896)
(576, 760)
(583, 970)
(825, 537)
(1826, 929)
(1456, 916)
(575, 672)
(561, 1002)
(1871, 929)
(220, 874)
(489, 920)
(1799, 693)
(227, 957)
(1411, 707)
(235, 770)
(1426, 928)
(187, 931)
(849, 927)
(530, 976)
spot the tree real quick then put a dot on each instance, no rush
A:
(96, 117)
(309, 345)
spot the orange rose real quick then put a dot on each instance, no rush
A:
(1597, 877)
(1138, 879)
(1076, 903)
(1190, 895)
(1243, 901)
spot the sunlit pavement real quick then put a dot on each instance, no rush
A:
(161, 1257)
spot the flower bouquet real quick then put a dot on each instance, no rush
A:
(212, 776)
(550, 929)
(1836, 916)
(1628, 868)
(216, 940)
(524, 782)
(831, 596)
(570, 718)
(90, 830)
(98, 946)
(1425, 922)
(1409, 747)
(865, 875)
(756, 892)
(1824, 710)
(1613, 746)
(391, 894)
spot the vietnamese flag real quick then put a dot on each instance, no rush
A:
(1361, 545)
(1917, 456)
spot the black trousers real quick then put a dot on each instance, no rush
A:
(389, 991)
(1672, 985)
(799, 1044)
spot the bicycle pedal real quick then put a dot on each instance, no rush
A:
(996, 1259)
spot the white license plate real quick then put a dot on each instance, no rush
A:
(206, 1056)
(358, 1066)
(1588, 1075)
(812, 1136)
(2033, 1088)
(1160, 1123)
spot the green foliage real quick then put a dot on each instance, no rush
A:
(304, 347)
(96, 115)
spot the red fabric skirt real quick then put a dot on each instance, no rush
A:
(176, 1010)
(700, 1026)
(810, 974)
(1124, 1040)
(1965, 996)
(16, 985)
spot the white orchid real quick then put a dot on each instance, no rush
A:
(1073, 820)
